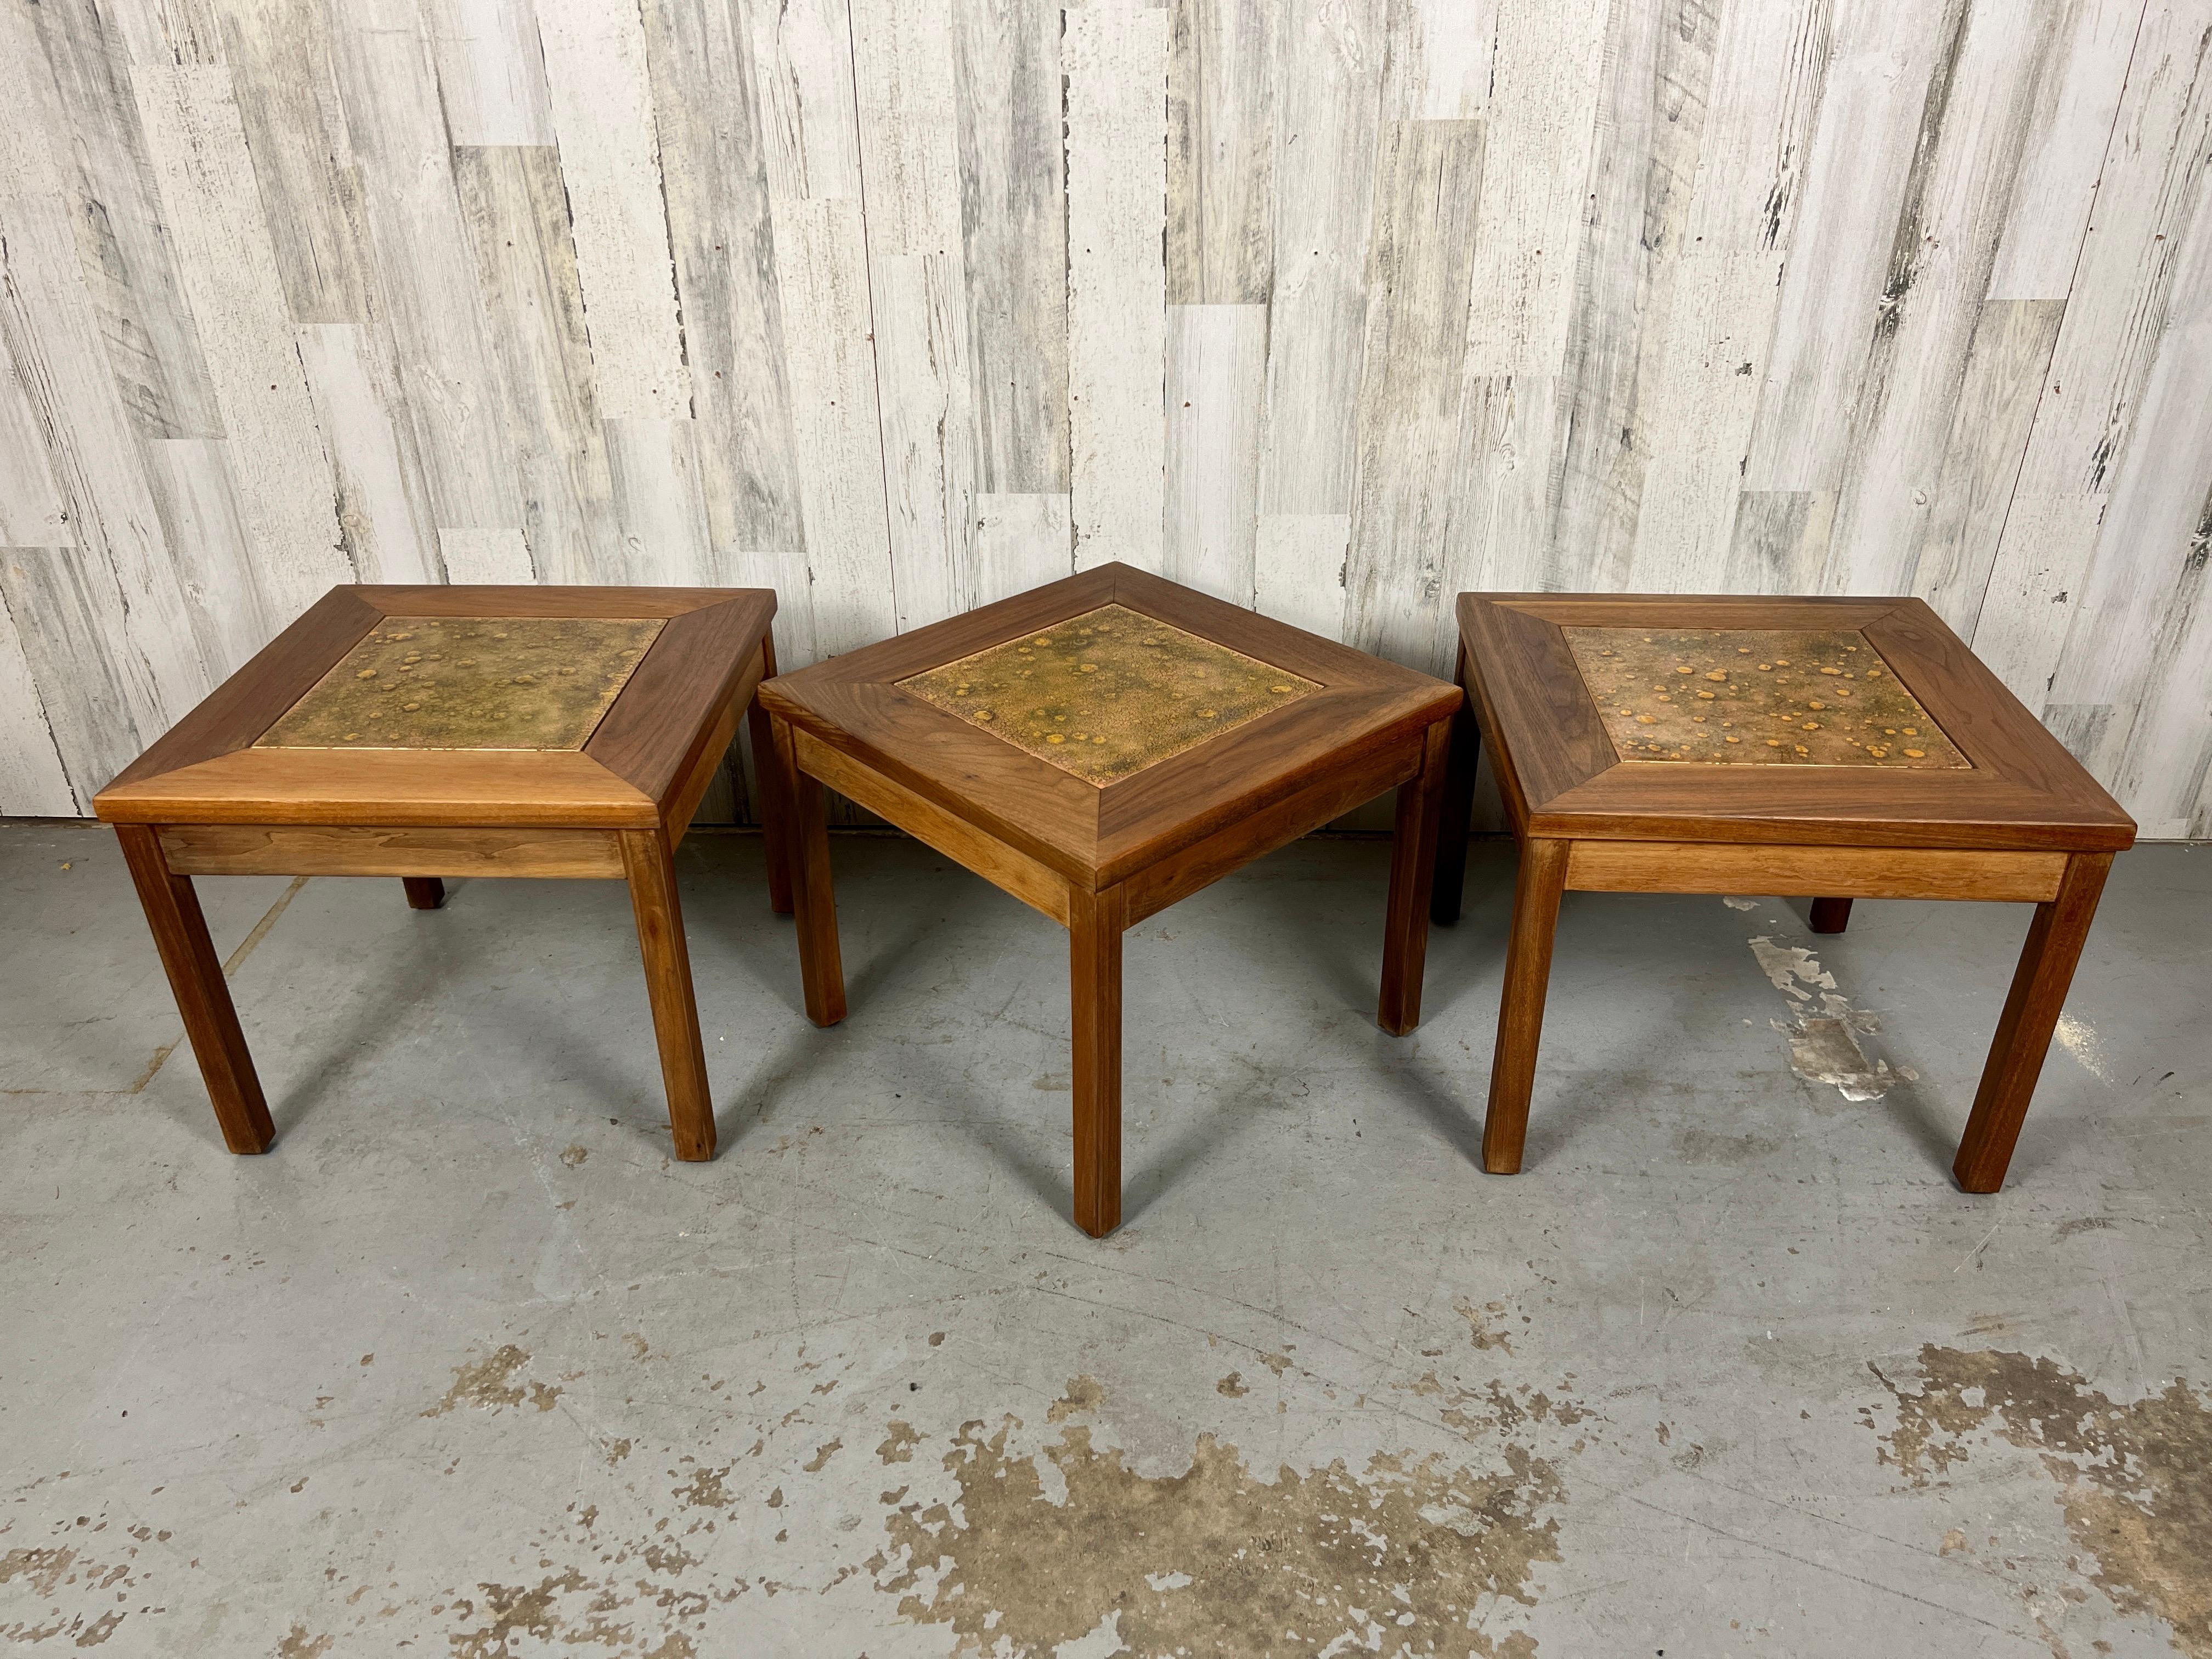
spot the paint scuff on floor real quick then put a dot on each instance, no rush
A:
(1400, 1556)
(1824, 1046)
(2134, 1478)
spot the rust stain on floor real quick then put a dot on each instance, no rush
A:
(2135, 1480)
(487, 1383)
(1395, 1557)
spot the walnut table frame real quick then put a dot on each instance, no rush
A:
(431, 732)
(1204, 737)
(1851, 748)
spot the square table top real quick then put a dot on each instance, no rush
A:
(1825, 721)
(409, 706)
(1102, 722)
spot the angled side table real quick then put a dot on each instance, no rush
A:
(1100, 748)
(430, 731)
(1850, 747)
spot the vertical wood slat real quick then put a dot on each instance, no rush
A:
(896, 307)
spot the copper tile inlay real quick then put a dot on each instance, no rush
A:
(1756, 696)
(1108, 692)
(468, 683)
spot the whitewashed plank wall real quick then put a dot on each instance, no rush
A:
(1331, 307)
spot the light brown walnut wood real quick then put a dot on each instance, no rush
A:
(1041, 887)
(424, 893)
(300, 850)
(1930, 872)
(180, 934)
(1536, 893)
(1094, 984)
(1413, 867)
(652, 873)
(2031, 1013)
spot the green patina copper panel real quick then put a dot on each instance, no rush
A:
(1756, 696)
(468, 683)
(1108, 692)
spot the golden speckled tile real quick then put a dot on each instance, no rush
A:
(468, 683)
(1756, 696)
(1108, 692)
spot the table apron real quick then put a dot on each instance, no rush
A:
(1035, 883)
(1923, 872)
(297, 849)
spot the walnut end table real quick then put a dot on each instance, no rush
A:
(1850, 747)
(430, 731)
(1100, 748)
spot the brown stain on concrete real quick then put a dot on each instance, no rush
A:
(1395, 1559)
(899, 1441)
(1232, 1386)
(298, 1645)
(1478, 1320)
(1084, 1394)
(487, 1383)
(2135, 1480)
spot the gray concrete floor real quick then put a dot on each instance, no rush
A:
(468, 1365)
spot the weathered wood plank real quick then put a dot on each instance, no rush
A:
(427, 279)
(124, 598)
(910, 138)
(714, 173)
(924, 378)
(214, 556)
(491, 70)
(1021, 542)
(384, 516)
(601, 102)
(280, 474)
(286, 83)
(64, 601)
(82, 123)
(1406, 558)
(1298, 574)
(1013, 224)
(1325, 134)
(842, 597)
(1217, 383)
(32, 781)
(497, 557)
(1541, 124)
(660, 506)
(514, 202)
(1441, 57)
(1117, 67)
(802, 51)
(1224, 65)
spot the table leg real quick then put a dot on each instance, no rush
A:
(424, 893)
(1831, 915)
(1458, 808)
(821, 968)
(2030, 1012)
(1413, 867)
(1536, 893)
(172, 912)
(774, 805)
(652, 872)
(1094, 959)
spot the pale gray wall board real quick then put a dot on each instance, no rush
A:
(1330, 307)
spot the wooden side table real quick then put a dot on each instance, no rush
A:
(1851, 748)
(1100, 748)
(431, 732)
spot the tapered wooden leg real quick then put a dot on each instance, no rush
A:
(1536, 892)
(652, 872)
(1094, 962)
(814, 903)
(774, 805)
(1413, 867)
(2031, 1013)
(1831, 915)
(424, 893)
(1458, 808)
(173, 911)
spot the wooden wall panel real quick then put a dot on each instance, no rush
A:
(1328, 306)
